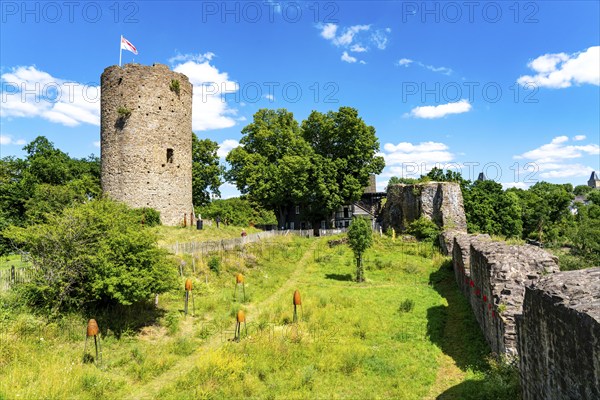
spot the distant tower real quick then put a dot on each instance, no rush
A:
(594, 181)
(146, 138)
(481, 177)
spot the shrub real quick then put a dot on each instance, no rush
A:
(239, 212)
(214, 264)
(93, 254)
(123, 112)
(406, 306)
(423, 229)
(175, 86)
(147, 216)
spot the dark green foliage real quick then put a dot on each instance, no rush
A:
(581, 190)
(491, 210)
(360, 238)
(214, 263)
(594, 197)
(423, 229)
(147, 216)
(238, 211)
(93, 254)
(406, 306)
(321, 165)
(43, 183)
(207, 173)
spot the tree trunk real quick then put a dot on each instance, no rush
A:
(360, 276)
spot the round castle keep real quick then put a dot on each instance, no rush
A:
(146, 139)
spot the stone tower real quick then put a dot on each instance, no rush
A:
(146, 139)
(594, 181)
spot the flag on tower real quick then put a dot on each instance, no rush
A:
(126, 45)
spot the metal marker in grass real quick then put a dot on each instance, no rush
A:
(239, 280)
(240, 317)
(297, 302)
(93, 330)
(188, 292)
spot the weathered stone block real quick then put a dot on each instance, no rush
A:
(440, 202)
(559, 337)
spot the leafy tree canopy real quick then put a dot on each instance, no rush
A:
(206, 171)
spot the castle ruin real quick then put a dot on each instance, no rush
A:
(146, 139)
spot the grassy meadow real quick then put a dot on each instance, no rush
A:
(405, 333)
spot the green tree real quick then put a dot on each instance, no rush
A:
(424, 229)
(93, 254)
(271, 165)
(580, 190)
(491, 210)
(346, 149)
(360, 238)
(206, 171)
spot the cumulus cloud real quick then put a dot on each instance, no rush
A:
(432, 112)
(410, 160)
(357, 48)
(578, 138)
(6, 140)
(210, 109)
(348, 58)
(552, 160)
(328, 31)
(226, 146)
(561, 70)
(28, 92)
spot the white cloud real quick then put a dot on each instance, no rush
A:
(270, 97)
(380, 38)
(96, 143)
(348, 58)
(431, 112)
(578, 138)
(209, 107)
(199, 58)
(6, 140)
(355, 38)
(550, 159)
(347, 37)
(562, 70)
(424, 152)
(328, 31)
(518, 185)
(29, 92)
(557, 150)
(226, 146)
(357, 48)
(404, 62)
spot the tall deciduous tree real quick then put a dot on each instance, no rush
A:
(360, 238)
(207, 173)
(346, 149)
(272, 163)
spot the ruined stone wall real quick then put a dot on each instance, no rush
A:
(559, 337)
(441, 202)
(147, 156)
(493, 276)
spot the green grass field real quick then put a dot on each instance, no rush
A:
(406, 333)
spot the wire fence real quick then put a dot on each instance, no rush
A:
(207, 247)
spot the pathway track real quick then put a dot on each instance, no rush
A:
(183, 366)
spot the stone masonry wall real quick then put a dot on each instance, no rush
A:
(441, 202)
(559, 337)
(147, 156)
(493, 276)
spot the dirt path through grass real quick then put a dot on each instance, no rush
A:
(183, 366)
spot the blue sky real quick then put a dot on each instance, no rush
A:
(505, 87)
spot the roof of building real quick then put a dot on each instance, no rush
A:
(594, 176)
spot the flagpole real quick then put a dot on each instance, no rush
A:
(120, 50)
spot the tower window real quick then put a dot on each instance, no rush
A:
(170, 156)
